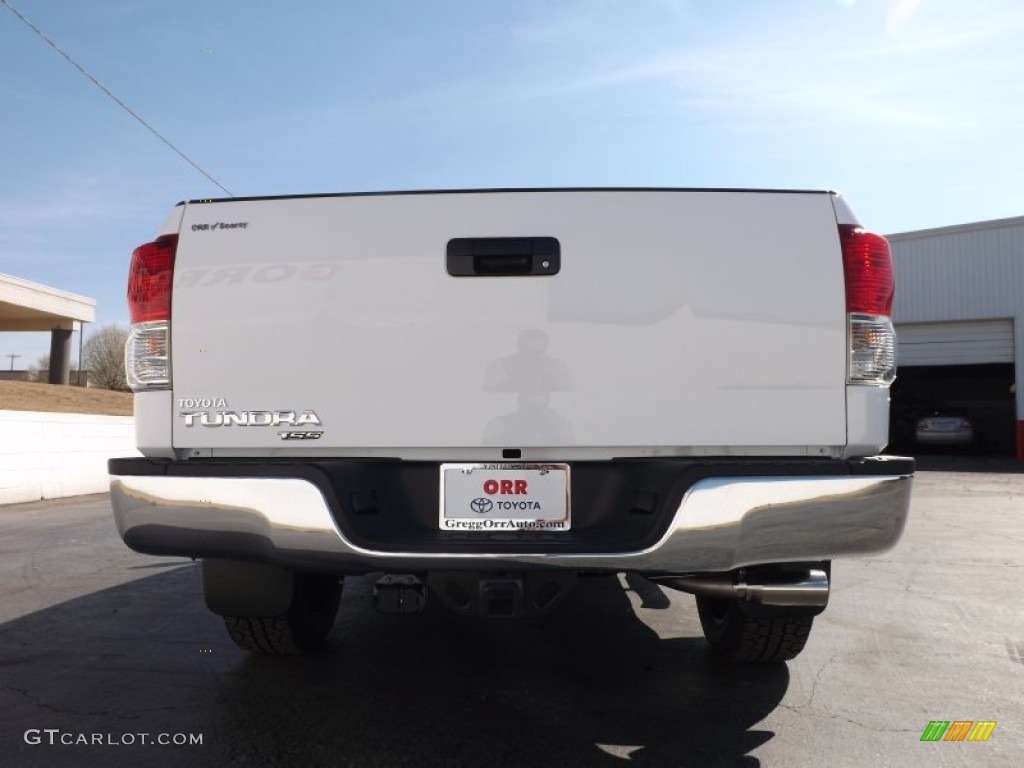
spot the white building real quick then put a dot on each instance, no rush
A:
(959, 314)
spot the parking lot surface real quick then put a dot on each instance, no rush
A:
(96, 640)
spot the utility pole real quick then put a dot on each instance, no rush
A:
(12, 356)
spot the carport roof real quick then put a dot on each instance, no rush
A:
(28, 306)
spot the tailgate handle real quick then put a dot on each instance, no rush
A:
(503, 256)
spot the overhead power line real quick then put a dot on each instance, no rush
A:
(106, 90)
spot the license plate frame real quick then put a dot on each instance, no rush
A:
(505, 497)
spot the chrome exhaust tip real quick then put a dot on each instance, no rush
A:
(810, 591)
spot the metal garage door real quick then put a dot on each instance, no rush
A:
(961, 343)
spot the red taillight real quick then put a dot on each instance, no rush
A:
(149, 280)
(868, 268)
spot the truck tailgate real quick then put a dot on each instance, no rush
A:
(676, 319)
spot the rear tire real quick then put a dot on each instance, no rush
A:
(302, 628)
(738, 637)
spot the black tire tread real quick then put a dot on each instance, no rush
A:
(737, 637)
(302, 628)
(263, 634)
(771, 640)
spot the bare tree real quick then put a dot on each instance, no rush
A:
(103, 357)
(40, 369)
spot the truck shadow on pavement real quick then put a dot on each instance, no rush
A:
(592, 685)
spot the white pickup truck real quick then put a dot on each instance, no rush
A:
(481, 395)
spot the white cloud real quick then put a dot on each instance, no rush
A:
(900, 14)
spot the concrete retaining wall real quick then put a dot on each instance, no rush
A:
(47, 455)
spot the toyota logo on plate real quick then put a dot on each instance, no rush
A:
(481, 506)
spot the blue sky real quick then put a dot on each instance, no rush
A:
(912, 108)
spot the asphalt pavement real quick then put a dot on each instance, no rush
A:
(99, 645)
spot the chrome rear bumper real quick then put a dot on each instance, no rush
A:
(721, 524)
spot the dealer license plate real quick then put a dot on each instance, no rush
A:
(504, 497)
